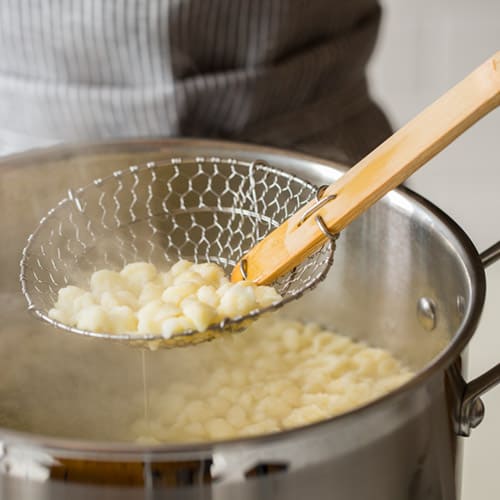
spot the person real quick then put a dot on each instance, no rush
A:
(287, 73)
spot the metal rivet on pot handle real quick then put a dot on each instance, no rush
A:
(472, 408)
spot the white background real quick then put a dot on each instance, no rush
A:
(424, 48)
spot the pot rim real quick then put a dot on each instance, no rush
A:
(78, 447)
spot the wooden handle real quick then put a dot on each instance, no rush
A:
(382, 170)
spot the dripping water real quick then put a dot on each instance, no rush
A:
(145, 390)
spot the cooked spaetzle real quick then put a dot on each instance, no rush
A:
(140, 299)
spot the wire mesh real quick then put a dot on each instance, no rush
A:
(200, 209)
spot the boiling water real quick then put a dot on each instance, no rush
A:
(279, 374)
(53, 383)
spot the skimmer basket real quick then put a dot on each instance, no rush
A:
(200, 209)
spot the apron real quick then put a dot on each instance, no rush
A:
(288, 73)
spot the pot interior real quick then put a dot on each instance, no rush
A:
(404, 278)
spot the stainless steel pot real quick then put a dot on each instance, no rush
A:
(405, 278)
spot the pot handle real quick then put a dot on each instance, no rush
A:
(472, 408)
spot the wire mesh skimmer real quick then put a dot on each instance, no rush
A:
(199, 209)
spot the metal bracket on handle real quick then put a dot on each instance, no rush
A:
(244, 268)
(322, 227)
(320, 202)
(472, 408)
